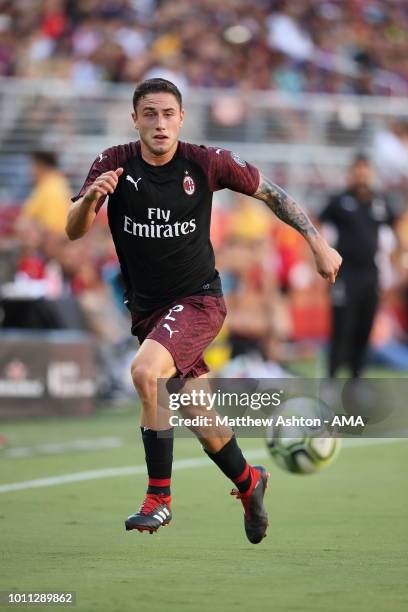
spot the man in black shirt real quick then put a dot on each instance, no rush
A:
(160, 194)
(356, 214)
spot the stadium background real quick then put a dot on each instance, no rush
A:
(295, 87)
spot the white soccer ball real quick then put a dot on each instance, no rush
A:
(303, 444)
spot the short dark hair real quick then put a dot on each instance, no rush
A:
(156, 86)
(47, 158)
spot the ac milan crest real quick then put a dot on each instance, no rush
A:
(188, 185)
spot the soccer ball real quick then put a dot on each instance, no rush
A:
(302, 448)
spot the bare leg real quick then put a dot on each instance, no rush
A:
(213, 438)
(152, 361)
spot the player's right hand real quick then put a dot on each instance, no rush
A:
(328, 260)
(105, 184)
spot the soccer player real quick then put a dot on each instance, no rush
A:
(160, 193)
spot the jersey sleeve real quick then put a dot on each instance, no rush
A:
(105, 162)
(228, 171)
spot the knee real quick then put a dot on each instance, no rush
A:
(144, 377)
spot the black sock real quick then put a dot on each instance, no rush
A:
(232, 462)
(159, 459)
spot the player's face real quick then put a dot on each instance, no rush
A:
(158, 119)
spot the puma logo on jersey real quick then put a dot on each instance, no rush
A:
(218, 151)
(171, 331)
(132, 180)
(102, 157)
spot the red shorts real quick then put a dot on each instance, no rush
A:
(185, 328)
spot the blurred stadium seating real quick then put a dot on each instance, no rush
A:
(334, 46)
(304, 141)
(298, 112)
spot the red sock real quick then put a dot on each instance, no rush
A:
(247, 480)
(159, 486)
(232, 462)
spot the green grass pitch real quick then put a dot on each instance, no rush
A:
(337, 541)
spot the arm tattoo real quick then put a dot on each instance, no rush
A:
(284, 207)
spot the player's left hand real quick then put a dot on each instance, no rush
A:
(328, 260)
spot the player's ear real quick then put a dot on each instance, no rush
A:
(134, 117)
(181, 116)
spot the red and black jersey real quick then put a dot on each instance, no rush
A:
(160, 217)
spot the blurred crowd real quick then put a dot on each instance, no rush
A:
(334, 46)
(48, 282)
